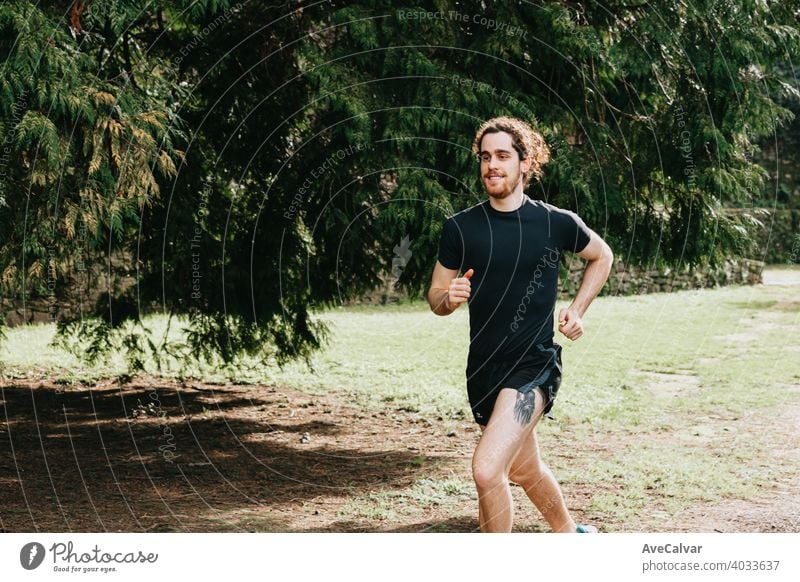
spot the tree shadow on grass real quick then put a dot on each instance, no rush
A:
(138, 457)
(460, 524)
(457, 524)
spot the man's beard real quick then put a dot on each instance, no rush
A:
(500, 195)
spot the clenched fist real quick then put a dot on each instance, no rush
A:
(459, 289)
(570, 323)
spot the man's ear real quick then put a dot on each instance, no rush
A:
(525, 165)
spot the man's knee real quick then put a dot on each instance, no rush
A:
(527, 472)
(489, 469)
(487, 476)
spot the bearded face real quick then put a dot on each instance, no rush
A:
(502, 171)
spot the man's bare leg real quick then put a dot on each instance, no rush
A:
(534, 476)
(512, 421)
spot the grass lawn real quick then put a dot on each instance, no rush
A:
(668, 402)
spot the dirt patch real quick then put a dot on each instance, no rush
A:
(754, 326)
(667, 385)
(777, 507)
(154, 455)
(743, 338)
(776, 513)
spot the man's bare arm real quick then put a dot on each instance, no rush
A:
(447, 291)
(600, 258)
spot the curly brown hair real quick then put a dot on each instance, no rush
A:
(525, 140)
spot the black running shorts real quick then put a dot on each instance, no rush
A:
(539, 368)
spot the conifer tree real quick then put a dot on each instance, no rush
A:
(247, 163)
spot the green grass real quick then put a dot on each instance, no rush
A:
(740, 343)
(406, 357)
(412, 501)
(659, 391)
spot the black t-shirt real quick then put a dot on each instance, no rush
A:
(515, 256)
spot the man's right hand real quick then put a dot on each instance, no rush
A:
(459, 289)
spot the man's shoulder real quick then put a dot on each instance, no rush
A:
(541, 204)
(468, 212)
(552, 208)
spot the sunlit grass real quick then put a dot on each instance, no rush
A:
(388, 505)
(653, 411)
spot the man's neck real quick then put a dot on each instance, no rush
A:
(509, 203)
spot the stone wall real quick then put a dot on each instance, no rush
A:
(636, 281)
(621, 281)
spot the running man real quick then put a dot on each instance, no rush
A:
(509, 248)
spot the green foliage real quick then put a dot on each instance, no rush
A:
(240, 165)
(85, 152)
(773, 234)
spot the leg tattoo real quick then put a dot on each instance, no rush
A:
(523, 409)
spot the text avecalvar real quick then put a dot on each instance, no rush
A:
(671, 549)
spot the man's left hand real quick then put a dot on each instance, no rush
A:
(570, 323)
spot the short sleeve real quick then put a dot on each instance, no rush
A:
(450, 245)
(570, 231)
